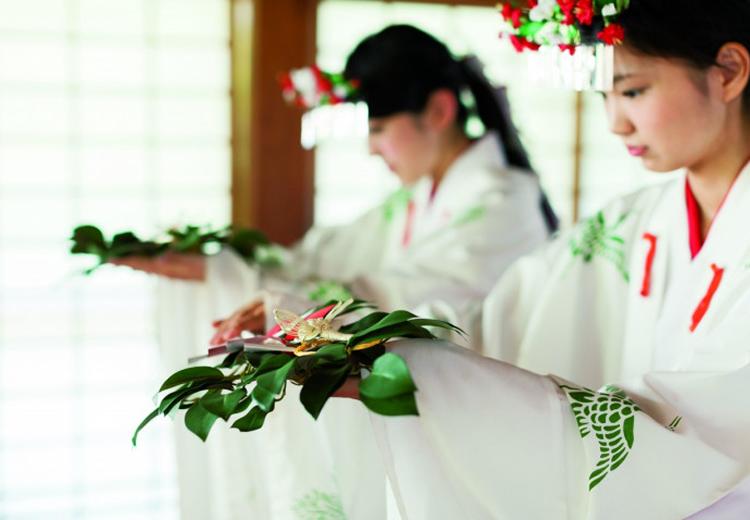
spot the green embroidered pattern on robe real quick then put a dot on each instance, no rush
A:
(600, 239)
(470, 215)
(674, 424)
(318, 505)
(610, 415)
(396, 203)
(326, 291)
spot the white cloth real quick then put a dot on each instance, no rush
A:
(618, 300)
(458, 241)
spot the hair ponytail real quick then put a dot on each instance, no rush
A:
(493, 109)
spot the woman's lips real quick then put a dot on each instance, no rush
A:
(637, 151)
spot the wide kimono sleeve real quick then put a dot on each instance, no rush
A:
(494, 441)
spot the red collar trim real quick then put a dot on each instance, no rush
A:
(695, 239)
(433, 191)
(693, 213)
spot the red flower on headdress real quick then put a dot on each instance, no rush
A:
(520, 43)
(322, 82)
(613, 34)
(512, 14)
(532, 3)
(584, 11)
(569, 48)
(567, 7)
(285, 80)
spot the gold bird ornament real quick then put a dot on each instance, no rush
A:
(312, 333)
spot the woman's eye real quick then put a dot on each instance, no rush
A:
(633, 92)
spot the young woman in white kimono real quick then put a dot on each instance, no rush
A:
(469, 209)
(652, 294)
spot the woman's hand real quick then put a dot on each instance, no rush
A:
(178, 266)
(251, 317)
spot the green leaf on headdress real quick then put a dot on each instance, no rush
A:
(530, 30)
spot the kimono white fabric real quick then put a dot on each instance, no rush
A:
(618, 300)
(452, 244)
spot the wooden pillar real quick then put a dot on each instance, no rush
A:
(272, 178)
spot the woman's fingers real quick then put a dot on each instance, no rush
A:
(182, 266)
(350, 388)
(172, 265)
(252, 317)
(139, 263)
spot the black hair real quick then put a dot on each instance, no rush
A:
(399, 68)
(689, 30)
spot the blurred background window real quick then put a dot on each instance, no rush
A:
(114, 112)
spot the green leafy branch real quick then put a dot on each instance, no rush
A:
(90, 240)
(245, 387)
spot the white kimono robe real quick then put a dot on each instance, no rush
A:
(618, 300)
(451, 244)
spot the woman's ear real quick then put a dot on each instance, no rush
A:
(733, 62)
(441, 110)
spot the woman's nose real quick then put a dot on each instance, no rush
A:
(619, 122)
(372, 145)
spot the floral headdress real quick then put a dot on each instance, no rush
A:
(329, 101)
(311, 87)
(584, 30)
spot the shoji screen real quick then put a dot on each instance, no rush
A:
(115, 112)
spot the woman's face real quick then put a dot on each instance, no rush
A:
(665, 112)
(404, 144)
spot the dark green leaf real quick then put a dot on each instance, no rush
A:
(189, 241)
(368, 356)
(423, 322)
(269, 386)
(144, 422)
(245, 241)
(220, 404)
(264, 398)
(398, 330)
(364, 323)
(252, 421)
(231, 358)
(243, 404)
(172, 399)
(88, 240)
(272, 362)
(392, 318)
(319, 387)
(89, 234)
(124, 239)
(199, 420)
(192, 374)
(334, 352)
